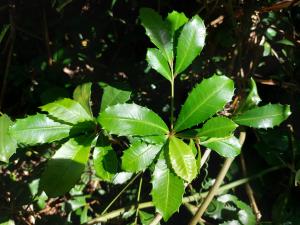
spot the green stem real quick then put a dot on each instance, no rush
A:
(120, 193)
(172, 103)
(138, 200)
(191, 198)
(216, 185)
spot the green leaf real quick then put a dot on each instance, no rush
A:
(228, 148)
(67, 110)
(205, 100)
(157, 61)
(190, 43)
(4, 31)
(112, 96)
(64, 169)
(285, 42)
(8, 144)
(252, 98)
(105, 162)
(196, 152)
(38, 129)
(146, 218)
(82, 94)
(217, 127)
(167, 190)
(158, 32)
(176, 20)
(182, 159)
(132, 119)
(266, 116)
(297, 178)
(139, 156)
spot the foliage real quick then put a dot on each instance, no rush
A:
(106, 134)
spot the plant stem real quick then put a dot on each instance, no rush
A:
(172, 102)
(191, 198)
(138, 200)
(120, 193)
(156, 219)
(216, 185)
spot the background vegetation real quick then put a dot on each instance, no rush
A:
(50, 47)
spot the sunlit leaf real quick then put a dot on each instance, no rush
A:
(64, 169)
(176, 20)
(82, 94)
(38, 129)
(132, 119)
(158, 32)
(167, 190)
(190, 43)
(8, 144)
(229, 147)
(182, 159)
(266, 116)
(204, 101)
(112, 96)
(157, 61)
(67, 110)
(217, 127)
(139, 156)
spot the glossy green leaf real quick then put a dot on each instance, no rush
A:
(8, 144)
(204, 101)
(82, 94)
(176, 20)
(112, 96)
(217, 127)
(105, 162)
(64, 169)
(167, 190)
(252, 98)
(190, 43)
(139, 156)
(158, 32)
(266, 116)
(157, 61)
(197, 154)
(67, 110)
(38, 129)
(182, 159)
(228, 148)
(132, 119)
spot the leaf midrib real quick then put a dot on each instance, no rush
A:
(200, 105)
(137, 121)
(215, 129)
(257, 117)
(185, 168)
(41, 128)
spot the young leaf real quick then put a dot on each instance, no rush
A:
(38, 129)
(105, 162)
(67, 110)
(112, 96)
(8, 144)
(229, 148)
(266, 116)
(132, 119)
(157, 61)
(252, 98)
(182, 159)
(82, 94)
(205, 100)
(217, 127)
(65, 167)
(167, 190)
(176, 20)
(158, 32)
(190, 43)
(139, 156)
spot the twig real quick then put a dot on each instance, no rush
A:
(138, 200)
(216, 185)
(120, 193)
(191, 198)
(249, 191)
(12, 38)
(46, 35)
(156, 219)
